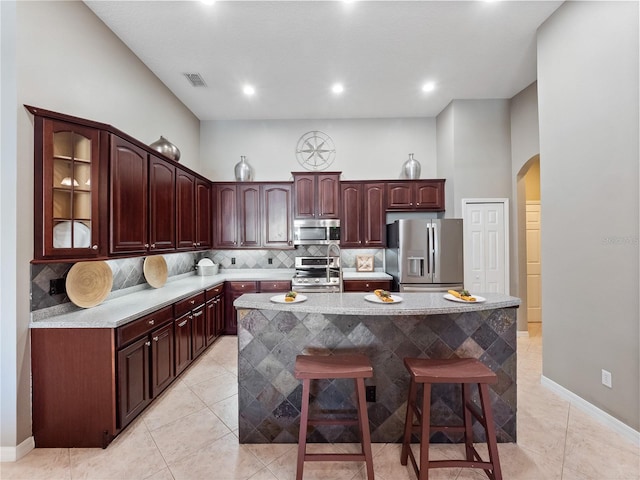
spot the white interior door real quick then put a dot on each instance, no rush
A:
(534, 286)
(486, 247)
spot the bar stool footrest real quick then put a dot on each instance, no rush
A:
(332, 421)
(332, 457)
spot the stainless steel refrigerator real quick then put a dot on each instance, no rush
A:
(425, 255)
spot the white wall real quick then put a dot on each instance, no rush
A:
(66, 61)
(365, 148)
(445, 124)
(589, 133)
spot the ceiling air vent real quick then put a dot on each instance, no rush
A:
(195, 79)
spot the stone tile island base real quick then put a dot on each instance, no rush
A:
(270, 396)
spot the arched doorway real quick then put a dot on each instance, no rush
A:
(529, 226)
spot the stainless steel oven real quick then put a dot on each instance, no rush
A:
(316, 232)
(316, 275)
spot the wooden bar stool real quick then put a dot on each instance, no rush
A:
(457, 370)
(316, 367)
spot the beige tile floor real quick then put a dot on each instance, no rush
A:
(191, 433)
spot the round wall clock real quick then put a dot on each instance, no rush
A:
(315, 150)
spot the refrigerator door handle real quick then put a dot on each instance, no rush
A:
(434, 248)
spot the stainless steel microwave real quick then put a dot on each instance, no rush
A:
(316, 232)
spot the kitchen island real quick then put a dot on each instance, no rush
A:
(271, 334)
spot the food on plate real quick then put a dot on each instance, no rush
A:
(383, 295)
(290, 296)
(462, 295)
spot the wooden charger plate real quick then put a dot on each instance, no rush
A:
(89, 283)
(155, 271)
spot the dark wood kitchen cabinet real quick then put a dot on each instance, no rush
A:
(249, 220)
(277, 222)
(421, 195)
(362, 222)
(255, 215)
(128, 198)
(185, 210)
(145, 362)
(190, 329)
(204, 215)
(366, 285)
(70, 189)
(316, 195)
(162, 205)
(214, 312)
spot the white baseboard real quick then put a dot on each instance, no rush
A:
(593, 411)
(12, 454)
(523, 333)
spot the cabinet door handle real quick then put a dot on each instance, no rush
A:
(148, 344)
(197, 314)
(153, 245)
(155, 339)
(366, 285)
(146, 245)
(94, 247)
(192, 302)
(182, 324)
(151, 322)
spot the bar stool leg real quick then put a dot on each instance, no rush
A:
(468, 423)
(408, 422)
(425, 431)
(304, 418)
(490, 429)
(363, 423)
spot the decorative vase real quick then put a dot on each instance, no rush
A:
(166, 148)
(243, 171)
(411, 168)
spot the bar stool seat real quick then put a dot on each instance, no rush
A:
(465, 371)
(318, 367)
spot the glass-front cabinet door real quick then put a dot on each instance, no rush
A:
(70, 225)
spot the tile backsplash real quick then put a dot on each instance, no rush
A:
(127, 272)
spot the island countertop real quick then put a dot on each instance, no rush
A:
(354, 303)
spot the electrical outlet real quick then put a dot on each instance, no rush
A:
(233, 260)
(57, 286)
(370, 393)
(270, 261)
(606, 378)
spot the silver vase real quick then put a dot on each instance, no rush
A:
(243, 171)
(411, 168)
(166, 148)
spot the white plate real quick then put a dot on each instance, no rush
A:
(280, 299)
(376, 299)
(62, 235)
(478, 298)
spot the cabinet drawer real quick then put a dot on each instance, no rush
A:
(243, 287)
(142, 326)
(189, 303)
(214, 291)
(366, 285)
(275, 286)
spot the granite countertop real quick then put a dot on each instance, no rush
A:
(351, 274)
(126, 305)
(355, 304)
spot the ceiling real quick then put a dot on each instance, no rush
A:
(292, 52)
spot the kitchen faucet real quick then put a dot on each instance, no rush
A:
(337, 248)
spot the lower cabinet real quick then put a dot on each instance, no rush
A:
(234, 290)
(190, 328)
(214, 312)
(145, 367)
(366, 285)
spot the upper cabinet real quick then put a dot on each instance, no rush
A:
(253, 215)
(162, 205)
(362, 223)
(423, 195)
(316, 195)
(185, 211)
(70, 190)
(204, 214)
(128, 198)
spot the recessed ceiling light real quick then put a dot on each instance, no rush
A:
(248, 90)
(429, 87)
(337, 88)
